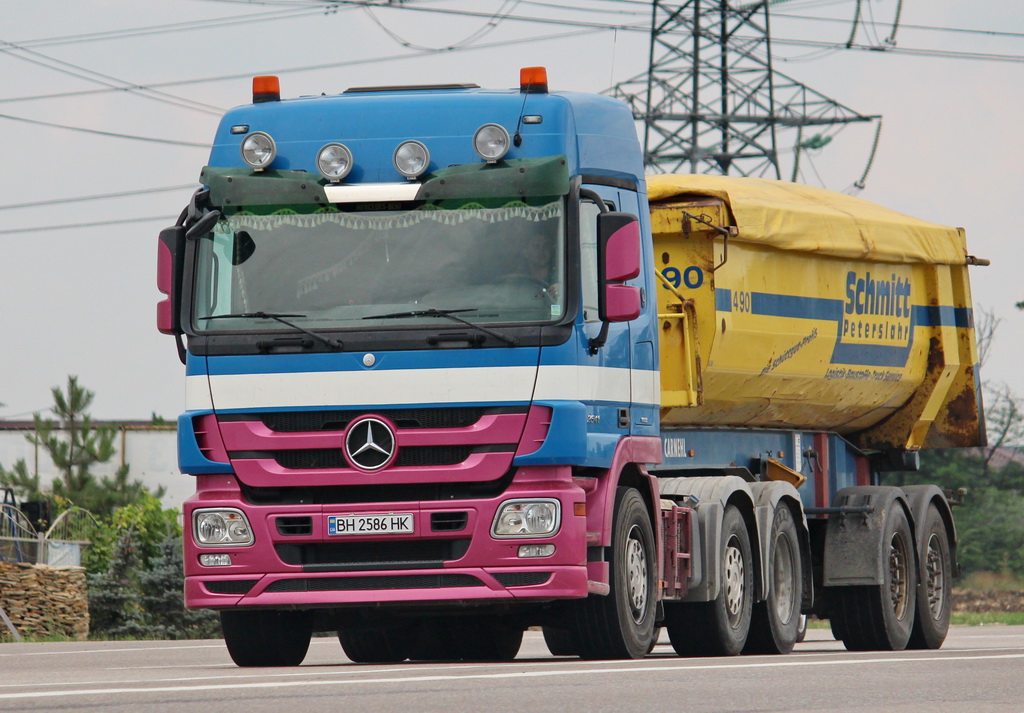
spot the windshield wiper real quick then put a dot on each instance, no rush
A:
(332, 343)
(448, 314)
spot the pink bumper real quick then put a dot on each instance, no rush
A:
(450, 557)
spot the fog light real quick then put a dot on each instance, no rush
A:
(334, 161)
(223, 560)
(527, 518)
(536, 550)
(411, 159)
(258, 150)
(221, 527)
(491, 142)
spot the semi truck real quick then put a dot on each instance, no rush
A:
(455, 368)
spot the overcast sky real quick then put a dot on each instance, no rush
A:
(81, 300)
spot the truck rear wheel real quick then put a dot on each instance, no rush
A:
(775, 622)
(267, 638)
(880, 616)
(560, 641)
(621, 624)
(465, 639)
(379, 645)
(935, 584)
(719, 627)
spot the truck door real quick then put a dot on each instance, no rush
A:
(611, 401)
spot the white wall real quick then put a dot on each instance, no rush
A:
(150, 452)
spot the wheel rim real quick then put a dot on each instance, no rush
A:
(935, 577)
(636, 574)
(898, 574)
(782, 575)
(734, 567)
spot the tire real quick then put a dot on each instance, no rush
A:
(267, 638)
(621, 624)
(935, 584)
(465, 639)
(801, 632)
(560, 642)
(380, 645)
(489, 640)
(880, 617)
(719, 627)
(775, 622)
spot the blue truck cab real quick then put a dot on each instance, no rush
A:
(420, 333)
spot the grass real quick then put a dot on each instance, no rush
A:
(991, 582)
(1014, 618)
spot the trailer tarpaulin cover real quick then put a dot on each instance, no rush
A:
(792, 216)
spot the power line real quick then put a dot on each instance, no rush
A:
(169, 28)
(104, 133)
(317, 67)
(903, 25)
(93, 224)
(104, 79)
(97, 197)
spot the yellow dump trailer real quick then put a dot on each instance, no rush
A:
(787, 306)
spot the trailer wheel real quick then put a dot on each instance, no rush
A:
(379, 645)
(267, 638)
(880, 617)
(719, 627)
(935, 584)
(621, 624)
(775, 622)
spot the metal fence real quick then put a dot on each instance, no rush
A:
(62, 544)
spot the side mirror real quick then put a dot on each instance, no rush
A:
(618, 260)
(169, 264)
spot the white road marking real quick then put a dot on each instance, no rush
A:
(519, 674)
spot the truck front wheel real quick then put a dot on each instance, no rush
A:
(719, 627)
(621, 624)
(267, 638)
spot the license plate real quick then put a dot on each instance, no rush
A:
(391, 523)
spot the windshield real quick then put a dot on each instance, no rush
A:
(493, 261)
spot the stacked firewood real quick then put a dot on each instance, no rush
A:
(44, 601)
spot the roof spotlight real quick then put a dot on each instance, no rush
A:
(491, 142)
(258, 150)
(334, 161)
(411, 159)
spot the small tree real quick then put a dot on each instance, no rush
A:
(76, 445)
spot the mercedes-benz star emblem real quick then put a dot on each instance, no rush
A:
(370, 444)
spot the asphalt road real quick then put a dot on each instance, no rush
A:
(979, 670)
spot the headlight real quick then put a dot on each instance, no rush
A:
(334, 161)
(411, 159)
(221, 527)
(258, 150)
(491, 142)
(527, 518)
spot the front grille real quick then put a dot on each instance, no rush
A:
(448, 521)
(402, 581)
(380, 493)
(521, 579)
(291, 526)
(311, 421)
(413, 456)
(230, 586)
(371, 554)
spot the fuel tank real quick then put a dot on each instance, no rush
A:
(787, 306)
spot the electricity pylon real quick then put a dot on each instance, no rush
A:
(710, 101)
